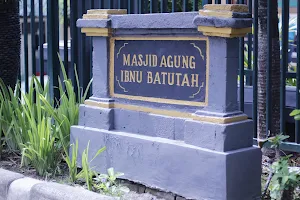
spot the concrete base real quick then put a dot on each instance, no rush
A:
(175, 166)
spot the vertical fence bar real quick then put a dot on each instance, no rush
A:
(206, 2)
(297, 132)
(185, 5)
(140, 5)
(228, 1)
(254, 73)
(164, 6)
(25, 29)
(269, 66)
(250, 36)
(19, 80)
(146, 6)
(218, 1)
(173, 6)
(82, 46)
(241, 74)
(129, 6)
(92, 6)
(32, 31)
(195, 5)
(241, 69)
(153, 6)
(143, 6)
(284, 60)
(135, 8)
(84, 68)
(74, 39)
(101, 3)
(52, 40)
(114, 4)
(41, 41)
(66, 26)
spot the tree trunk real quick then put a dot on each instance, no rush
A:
(275, 71)
(262, 71)
(9, 41)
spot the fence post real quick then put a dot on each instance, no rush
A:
(52, 40)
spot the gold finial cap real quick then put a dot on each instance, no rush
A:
(240, 8)
(103, 13)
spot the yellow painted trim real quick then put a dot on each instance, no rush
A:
(98, 104)
(108, 11)
(216, 13)
(235, 31)
(171, 113)
(224, 32)
(159, 100)
(223, 35)
(152, 99)
(97, 31)
(220, 120)
(228, 7)
(95, 16)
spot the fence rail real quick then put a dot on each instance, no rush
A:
(61, 16)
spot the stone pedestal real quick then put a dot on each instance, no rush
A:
(190, 138)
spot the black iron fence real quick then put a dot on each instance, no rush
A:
(61, 35)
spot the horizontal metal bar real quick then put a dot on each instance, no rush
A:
(249, 72)
(285, 146)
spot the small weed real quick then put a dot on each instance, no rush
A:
(72, 162)
(281, 182)
(284, 180)
(87, 173)
(106, 183)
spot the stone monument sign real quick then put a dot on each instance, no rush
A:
(165, 103)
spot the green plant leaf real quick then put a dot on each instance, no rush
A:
(295, 112)
(297, 117)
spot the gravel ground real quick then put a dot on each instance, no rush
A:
(12, 162)
(135, 196)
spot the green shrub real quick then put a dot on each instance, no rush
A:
(38, 127)
(41, 149)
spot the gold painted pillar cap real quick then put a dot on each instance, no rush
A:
(103, 13)
(98, 21)
(240, 8)
(227, 21)
(108, 11)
